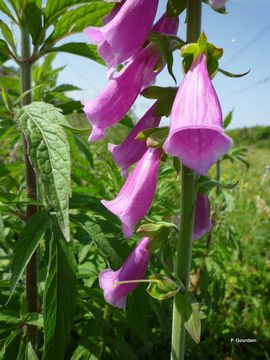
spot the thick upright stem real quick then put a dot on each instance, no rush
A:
(188, 193)
(31, 270)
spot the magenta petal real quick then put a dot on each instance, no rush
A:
(167, 25)
(125, 30)
(131, 150)
(135, 197)
(134, 268)
(121, 92)
(202, 222)
(196, 134)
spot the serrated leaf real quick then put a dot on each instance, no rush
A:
(81, 49)
(48, 149)
(59, 297)
(27, 244)
(77, 20)
(55, 8)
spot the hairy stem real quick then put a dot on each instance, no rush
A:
(30, 177)
(188, 193)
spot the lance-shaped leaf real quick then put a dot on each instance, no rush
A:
(175, 7)
(206, 184)
(59, 297)
(27, 244)
(189, 309)
(77, 19)
(48, 149)
(229, 74)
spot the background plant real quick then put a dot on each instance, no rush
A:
(218, 279)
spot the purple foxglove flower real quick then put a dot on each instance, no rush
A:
(125, 32)
(131, 150)
(202, 222)
(112, 14)
(196, 135)
(136, 195)
(133, 268)
(120, 93)
(217, 4)
(166, 25)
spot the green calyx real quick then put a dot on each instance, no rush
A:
(190, 51)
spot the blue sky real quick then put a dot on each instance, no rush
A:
(244, 34)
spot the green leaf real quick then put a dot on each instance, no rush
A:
(6, 99)
(205, 184)
(59, 297)
(4, 48)
(175, 7)
(137, 307)
(31, 353)
(27, 244)
(59, 7)
(70, 107)
(189, 309)
(154, 137)
(48, 149)
(81, 49)
(229, 74)
(228, 119)
(162, 287)
(77, 20)
(8, 35)
(33, 18)
(5, 10)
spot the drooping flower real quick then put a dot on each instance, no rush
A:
(166, 25)
(217, 4)
(202, 222)
(196, 135)
(134, 268)
(125, 31)
(120, 93)
(112, 14)
(135, 197)
(131, 150)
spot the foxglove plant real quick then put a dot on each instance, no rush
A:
(131, 150)
(120, 93)
(123, 89)
(117, 41)
(134, 268)
(196, 135)
(134, 199)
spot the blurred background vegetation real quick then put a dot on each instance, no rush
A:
(230, 267)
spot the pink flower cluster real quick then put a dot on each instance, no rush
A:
(196, 136)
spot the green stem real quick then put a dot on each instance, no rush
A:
(31, 270)
(188, 194)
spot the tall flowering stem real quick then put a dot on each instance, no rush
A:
(188, 194)
(31, 270)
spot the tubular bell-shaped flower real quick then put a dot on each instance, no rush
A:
(120, 93)
(131, 150)
(166, 25)
(202, 222)
(196, 135)
(125, 31)
(135, 198)
(134, 268)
